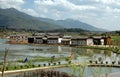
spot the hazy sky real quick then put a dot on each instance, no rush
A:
(99, 13)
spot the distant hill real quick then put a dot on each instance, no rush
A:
(14, 19)
(70, 23)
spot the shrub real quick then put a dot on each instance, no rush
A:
(49, 64)
(15, 67)
(59, 63)
(39, 65)
(69, 62)
(113, 62)
(44, 65)
(0, 69)
(106, 62)
(21, 66)
(90, 61)
(54, 63)
(118, 62)
(96, 62)
(6, 68)
(67, 59)
(100, 59)
(101, 62)
(33, 65)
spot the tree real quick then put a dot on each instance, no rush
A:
(79, 69)
(4, 65)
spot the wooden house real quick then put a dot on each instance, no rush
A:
(18, 38)
(54, 34)
(81, 41)
(107, 40)
(66, 40)
(30, 39)
(39, 34)
(52, 39)
(38, 39)
(98, 40)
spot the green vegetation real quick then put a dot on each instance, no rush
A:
(30, 64)
(13, 19)
(115, 40)
(114, 33)
(79, 69)
(7, 32)
(116, 50)
(42, 59)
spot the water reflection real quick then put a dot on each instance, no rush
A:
(17, 51)
(91, 71)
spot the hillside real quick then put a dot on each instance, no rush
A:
(70, 23)
(13, 19)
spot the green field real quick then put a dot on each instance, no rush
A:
(115, 40)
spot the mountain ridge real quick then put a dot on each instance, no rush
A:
(12, 18)
(71, 23)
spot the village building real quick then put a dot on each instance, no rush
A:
(60, 40)
(30, 39)
(18, 38)
(52, 39)
(107, 40)
(38, 40)
(102, 40)
(81, 41)
(57, 38)
(98, 40)
(39, 34)
(45, 38)
(54, 34)
(66, 40)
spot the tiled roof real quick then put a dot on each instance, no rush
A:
(52, 36)
(66, 39)
(79, 37)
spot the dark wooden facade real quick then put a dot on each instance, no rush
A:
(52, 39)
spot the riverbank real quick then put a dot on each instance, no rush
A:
(100, 47)
(58, 66)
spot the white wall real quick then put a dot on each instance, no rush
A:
(89, 42)
(59, 40)
(102, 41)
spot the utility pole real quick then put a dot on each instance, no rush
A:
(4, 65)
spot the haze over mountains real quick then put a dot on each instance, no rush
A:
(14, 19)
